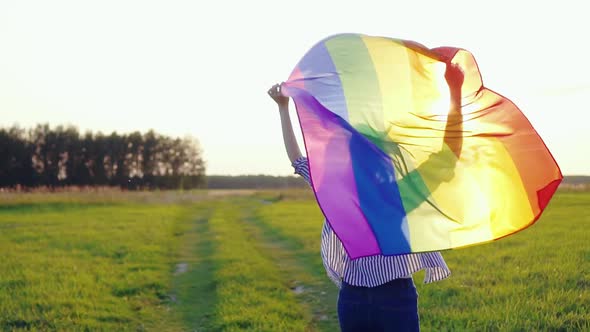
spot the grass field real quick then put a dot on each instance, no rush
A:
(196, 261)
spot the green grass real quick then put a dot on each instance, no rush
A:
(535, 280)
(293, 228)
(194, 290)
(251, 295)
(95, 266)
(197, 262)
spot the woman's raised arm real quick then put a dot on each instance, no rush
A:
(288, 136)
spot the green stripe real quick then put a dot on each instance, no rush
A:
(363, 99)
(365, 111)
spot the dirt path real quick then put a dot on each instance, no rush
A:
(311, 286)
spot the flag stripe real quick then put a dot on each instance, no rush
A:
(378, 194)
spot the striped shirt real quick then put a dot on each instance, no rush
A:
(375, 270)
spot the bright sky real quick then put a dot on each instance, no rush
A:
(202, 68)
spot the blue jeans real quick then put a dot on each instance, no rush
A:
(389, 307)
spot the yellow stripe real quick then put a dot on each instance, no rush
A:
(475, 199)
(486, 196)
(390, 61)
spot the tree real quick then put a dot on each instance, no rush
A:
(62, 157)
(15, 162)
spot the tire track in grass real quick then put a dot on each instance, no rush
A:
(299, 265)
(251, 292)
(194, 283)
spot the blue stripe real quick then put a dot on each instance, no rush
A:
(374, 270)
(378, 194)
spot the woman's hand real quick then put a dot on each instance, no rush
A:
(454, 76)
(277, 96)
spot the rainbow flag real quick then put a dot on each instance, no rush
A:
(393, 169)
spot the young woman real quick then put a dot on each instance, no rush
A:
(377, 293)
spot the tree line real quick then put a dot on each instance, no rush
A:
(62, 156)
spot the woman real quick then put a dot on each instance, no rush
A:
(377, 293)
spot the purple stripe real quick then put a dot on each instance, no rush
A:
(326, 139)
